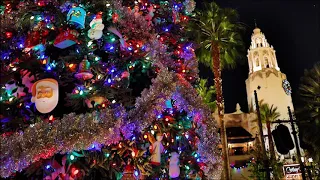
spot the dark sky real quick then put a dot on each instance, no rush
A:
(292, 27)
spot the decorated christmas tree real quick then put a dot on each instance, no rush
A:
(102, 90)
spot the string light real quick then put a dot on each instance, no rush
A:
(72, 157)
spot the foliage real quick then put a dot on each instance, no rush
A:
(309, 111)
(207, 94)
(257, 165)
(125, 74)
(220, 26)
(268, 114)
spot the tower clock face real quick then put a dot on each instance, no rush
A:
(286, 87)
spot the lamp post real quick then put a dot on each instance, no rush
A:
(265, 158)
(294, 133)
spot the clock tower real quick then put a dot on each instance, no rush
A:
(265, 76)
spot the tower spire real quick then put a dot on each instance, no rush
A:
(255, 23)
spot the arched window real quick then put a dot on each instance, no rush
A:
(266, 62)
(257, 62)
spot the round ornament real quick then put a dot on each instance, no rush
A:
(286, 87)
(45, 94)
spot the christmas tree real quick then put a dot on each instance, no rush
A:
(102, 90)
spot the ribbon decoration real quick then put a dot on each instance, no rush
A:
(121, 39)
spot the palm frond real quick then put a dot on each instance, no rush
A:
(221, 26)
(207, 94)
(309, 94)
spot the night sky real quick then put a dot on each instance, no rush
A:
(292, 27)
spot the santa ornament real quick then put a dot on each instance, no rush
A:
(45, 94)
(96, 28)
(174, 169)
(156, 149)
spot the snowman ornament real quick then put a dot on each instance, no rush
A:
(174, 169)
(96, 28)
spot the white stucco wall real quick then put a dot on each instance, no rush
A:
(271, 90)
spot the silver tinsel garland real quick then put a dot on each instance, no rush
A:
(72, 132)
(76, 132)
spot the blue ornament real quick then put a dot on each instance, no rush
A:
(169, 104)
(77, 16)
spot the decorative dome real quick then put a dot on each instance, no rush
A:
(256, 31)
(260, 54)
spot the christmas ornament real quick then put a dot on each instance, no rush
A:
(115, 17)
(45, 94)
(174, 169)
(128, 173)
(77, 17)
(96, 28)
(156, 149)
(27, 79)
(84, 71)
(168, 104)
(96, 116)
(136, 11)
(175, 16)
(96, 99)
(66, 38)
(12, 89)
(59, 170)
(8, 35)
(121, 39)
(36, 36)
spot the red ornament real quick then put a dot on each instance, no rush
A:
(115, 17)
(33, 37)
(8, 35)
(66, 38)
(41, 3)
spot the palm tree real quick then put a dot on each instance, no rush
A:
(269, 114)
(217, 32)
(207, 94)
(309, 92)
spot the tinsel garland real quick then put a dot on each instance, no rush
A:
(76, 132)
(72, 132)
(169, 85)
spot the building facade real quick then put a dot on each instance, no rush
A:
(272, 88)
(265, 76)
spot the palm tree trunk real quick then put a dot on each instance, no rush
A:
(271, 145)
(218, 84)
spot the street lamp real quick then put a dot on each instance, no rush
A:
(265, 158)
